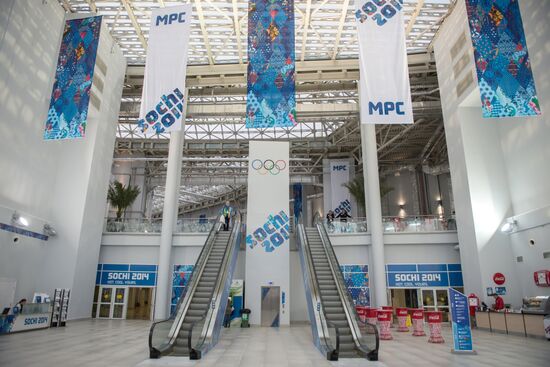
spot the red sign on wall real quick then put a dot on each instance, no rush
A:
(499, 278)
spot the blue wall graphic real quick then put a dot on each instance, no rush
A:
(68, 111)
(356, 277)
(502, 61)
(180, 279)
(274, 233)
(271, 82)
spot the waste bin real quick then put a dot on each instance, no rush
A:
(245, 314)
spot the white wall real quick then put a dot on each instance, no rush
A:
(497, 165)
(349, 248)
(63, 183)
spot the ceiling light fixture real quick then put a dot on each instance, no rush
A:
(510, 226)
(16, 218)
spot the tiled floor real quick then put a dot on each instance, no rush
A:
(124, 344)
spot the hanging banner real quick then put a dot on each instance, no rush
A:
(271, 64)
(385, 96)
(68, 113)
(340, 196)
(163, 100)
(268, 226)
(502, 61)
(460, 316)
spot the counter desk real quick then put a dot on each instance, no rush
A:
(33, 316)
(511, 322)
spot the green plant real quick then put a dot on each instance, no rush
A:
(121, 197)
(356, 188)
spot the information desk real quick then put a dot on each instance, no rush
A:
(34, 316)
(518, 323)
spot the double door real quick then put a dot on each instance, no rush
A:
(111, 302)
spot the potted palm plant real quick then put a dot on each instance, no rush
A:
(121, 197)
(356, 188)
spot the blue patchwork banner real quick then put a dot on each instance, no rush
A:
(356, 277)
(502, 61)
(68, 111)
(271, 100)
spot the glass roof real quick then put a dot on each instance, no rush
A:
(325, 29)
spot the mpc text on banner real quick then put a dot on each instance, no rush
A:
(462, 333)
(385, 95)
(68, 113)
(271, 100)
(268, 227)
(340, 196)
(503, 67)
(163, 101)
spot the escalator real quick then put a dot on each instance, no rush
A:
(337, 330)
(194, 327)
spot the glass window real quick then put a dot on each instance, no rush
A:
(94, 310)
(119, 297)
(106, 295)
(104, 310)
(442, 297)
(96, 292)
(428, 298)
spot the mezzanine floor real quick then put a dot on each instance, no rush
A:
(116, 343)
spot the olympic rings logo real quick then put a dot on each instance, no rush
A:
(273, 167)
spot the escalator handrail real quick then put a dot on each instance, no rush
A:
(351, 313)
(316, 294)
(217, 290)
(190, 289)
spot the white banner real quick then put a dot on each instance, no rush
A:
(163, 98)
(340, 196)
(268, 228)
(385, 96)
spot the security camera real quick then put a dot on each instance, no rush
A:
(15, 240)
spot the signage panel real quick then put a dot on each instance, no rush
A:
(462, 333)
(127, 275)
(424, 275)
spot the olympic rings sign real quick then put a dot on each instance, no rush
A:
(268, 165)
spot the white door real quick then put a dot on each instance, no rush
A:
(112, 303)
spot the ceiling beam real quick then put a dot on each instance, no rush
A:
(340, 28)
(415, 13)
(91, 3)
(237, 26)
(305, 30)
(135, 23)
(202, 23)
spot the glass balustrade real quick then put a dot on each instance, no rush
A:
(420, 223)
(138, 225)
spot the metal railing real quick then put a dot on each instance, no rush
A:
(319, 323)
(144, 225)
(163, 334)
(417, 223)
(366, 340)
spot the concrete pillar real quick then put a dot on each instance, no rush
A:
(169, 217)
(374, 214)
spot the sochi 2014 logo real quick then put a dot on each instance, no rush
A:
(165, 114)
(272, 234)
(379, 11)
(268, 165)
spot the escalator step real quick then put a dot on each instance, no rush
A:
(200, 300)
(346, 346)
(197, 313)
(334, 310)
(180, 351)
(336, 317)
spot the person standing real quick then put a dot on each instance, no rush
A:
(228, 312)
(227, 212)
(499, 303)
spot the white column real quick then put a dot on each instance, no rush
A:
(374, 214)
(169, 218)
